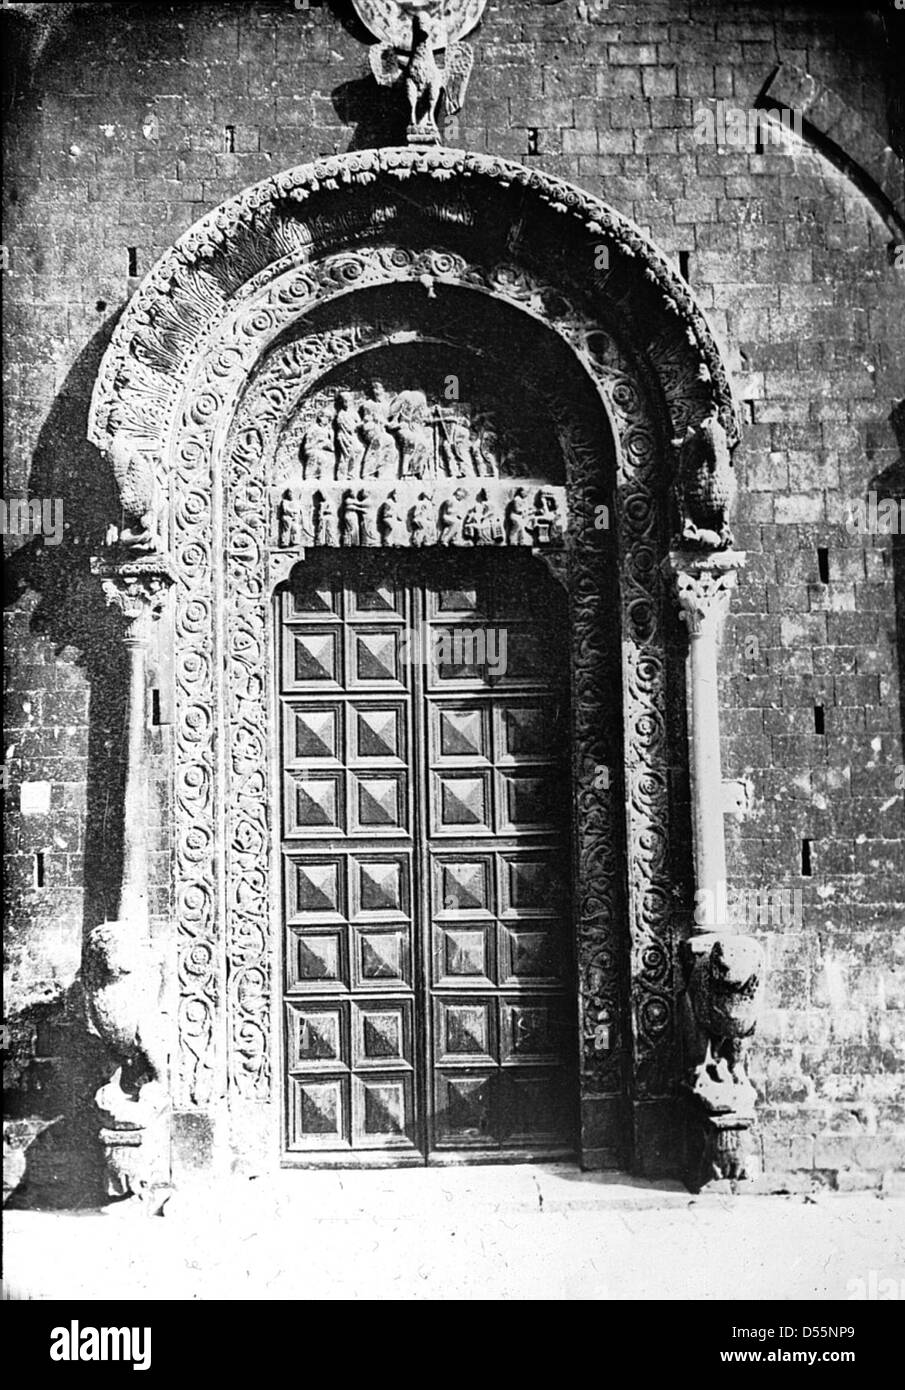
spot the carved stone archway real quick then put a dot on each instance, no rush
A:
(237, 323)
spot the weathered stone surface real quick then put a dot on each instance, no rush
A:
(114, 148)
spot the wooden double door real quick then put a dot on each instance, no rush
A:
(428, 995)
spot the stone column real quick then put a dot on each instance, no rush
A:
(123, 978)
(139, 599)
(724, 968)
(704, 586)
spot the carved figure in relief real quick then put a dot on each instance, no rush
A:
(455, 448)
(345, 433)
(548, 523)
(422, 523)
(295, 524)
(368, 511)
(520, 518)
(410, 423)
(380, 457)
(316, 451)
(350, 519)
(482, 524)
(705, 485)
(486, 451)
(358, 522)
(452, 517)
(326, 529)
(390, 523)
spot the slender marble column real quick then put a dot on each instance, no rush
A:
(139, 600)
(704, 585)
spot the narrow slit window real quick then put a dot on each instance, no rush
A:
(229, 139)
(39, 869)
(819, 722)
(823, 564)
(155, 706)
(133, 260)
(684, 260)
(806, 867)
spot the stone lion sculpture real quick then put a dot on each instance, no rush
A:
(725, 992)
(122, 994)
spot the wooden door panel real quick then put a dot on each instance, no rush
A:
(427, 978)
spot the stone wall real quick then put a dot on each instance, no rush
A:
(126, 122)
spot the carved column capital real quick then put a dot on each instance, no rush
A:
(703, 587)
(138, 590)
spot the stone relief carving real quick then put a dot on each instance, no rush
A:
(190, 289)
(416, 69)
(182, 351)
(405, 515)
(404, 435)
(704, 588)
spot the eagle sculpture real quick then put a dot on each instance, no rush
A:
(139, 496)
(705, 485)
(424, 78)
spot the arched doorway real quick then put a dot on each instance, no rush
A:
(594, 355)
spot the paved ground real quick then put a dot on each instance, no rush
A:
(490, 1233)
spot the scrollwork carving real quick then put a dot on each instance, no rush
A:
(195, 378)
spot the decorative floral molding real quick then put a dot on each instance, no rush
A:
(234, 250)
(195, 376)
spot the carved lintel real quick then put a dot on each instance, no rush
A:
(415, 512)
(703, 587)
